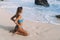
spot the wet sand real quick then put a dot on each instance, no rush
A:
(36, 30)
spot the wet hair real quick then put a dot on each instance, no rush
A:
(19, 9)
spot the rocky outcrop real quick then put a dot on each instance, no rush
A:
(57, 16)
(1, 0)
(42, 2)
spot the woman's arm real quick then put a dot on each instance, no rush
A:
(12, 18)
(16, 21)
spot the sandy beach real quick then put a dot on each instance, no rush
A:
(36, 30)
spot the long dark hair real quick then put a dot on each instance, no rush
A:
(19, 10)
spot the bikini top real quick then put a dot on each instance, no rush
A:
(20, 20)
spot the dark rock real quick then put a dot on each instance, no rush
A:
(2, 0)
(42, 2)
(57, 16)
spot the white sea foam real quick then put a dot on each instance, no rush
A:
(33, 12)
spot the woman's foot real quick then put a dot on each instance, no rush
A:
(13, 31)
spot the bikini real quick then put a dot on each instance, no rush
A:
(16, 27)
(20, 21)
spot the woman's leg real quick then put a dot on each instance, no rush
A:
(15, 29)
(21, 30)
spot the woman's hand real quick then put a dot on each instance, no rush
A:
(15, 22)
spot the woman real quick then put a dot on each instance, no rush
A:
(18, 20)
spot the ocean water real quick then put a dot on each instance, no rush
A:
(34, 12)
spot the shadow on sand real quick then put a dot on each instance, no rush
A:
(7, 28)
(10, 28)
